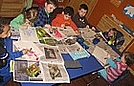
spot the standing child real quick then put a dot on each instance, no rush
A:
(43, 18)
(64, 19)
(117, 67)
(5, 55)
(80, 20)
(25, 19)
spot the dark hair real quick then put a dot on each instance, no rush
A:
(68, 11)
(83, 6)
(129, 57)
(3, 21)
(114, 30)
(53, 2)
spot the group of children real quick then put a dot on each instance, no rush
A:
(41, 17)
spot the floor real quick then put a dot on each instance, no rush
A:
(84, 80)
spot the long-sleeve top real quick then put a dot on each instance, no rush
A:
(59, 20)
(16, 22)
(119, 38)
(43, 18)
(115, 69)
(5, 71)
(81, 22)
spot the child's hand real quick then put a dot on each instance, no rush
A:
(62, 25)
(25, 51)
(48, 26)
(23, 26)
(111, 56)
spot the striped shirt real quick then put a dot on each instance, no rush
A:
(113, 73)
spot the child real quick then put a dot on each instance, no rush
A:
(6, 56)
(80, 20)
(117, 67)
(64, 19)
(25, 19)
(43, 19)
(114, 37)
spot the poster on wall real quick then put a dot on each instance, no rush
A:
(129, 11)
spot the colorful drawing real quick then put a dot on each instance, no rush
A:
(33, 70)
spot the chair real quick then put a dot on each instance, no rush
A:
(122, 76)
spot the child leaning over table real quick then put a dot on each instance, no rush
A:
(117, 66)
(6, 56)
(25, 19)
(43, 18)
(64, 19)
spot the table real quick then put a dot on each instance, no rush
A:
(89, 65)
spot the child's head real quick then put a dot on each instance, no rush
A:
(128, 58)
(112, 32)
(83, 9)
(31, 15)
(4, 28)
(50, 5)
(68, 12)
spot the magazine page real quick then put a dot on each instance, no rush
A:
(55, 33)
(87, 33)
(27, 71)
(34, 52)
(54, 73)
(29, 34)
(68, 31)
(76, 51)
(52, 54)
(101, 55)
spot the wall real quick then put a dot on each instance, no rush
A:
(105, 7)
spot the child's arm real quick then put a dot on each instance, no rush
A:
(111, 61)
(16, 22)
(19, 53)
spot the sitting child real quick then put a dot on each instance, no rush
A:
(25, 19)
(5, 55)
(43, 18)
(80, 18)
(117, 67)
(64, 19)
(114, 37)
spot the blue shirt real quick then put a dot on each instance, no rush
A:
(42, 18)
(5, 71)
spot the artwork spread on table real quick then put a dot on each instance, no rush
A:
(76, 51)
(38, 72)
(34, 52)
(129, 11)
(29, 34)
(52, 54)
(55, 33)
(27, 71)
